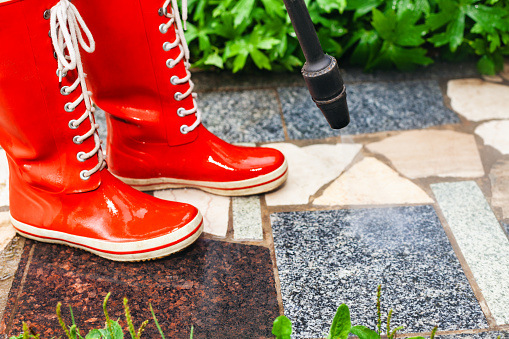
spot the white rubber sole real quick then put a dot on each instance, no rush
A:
(119, 251)
(260, 184)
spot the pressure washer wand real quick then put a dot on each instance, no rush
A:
(321, 71)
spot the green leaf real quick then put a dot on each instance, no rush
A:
(488, 18)
(330, 5)
(282, 327)
(423, 7)
(362, 7)
(384, 24)
(406, 58)
(486, 65)
(367, 48)
(242, 11)
(204, 42)
(267, 43)
(455, 30)
(479, 46)
(407, 33)
(364, 333)
(260, 59)
(439, 39)
(191, 33)
(274, 8)
(341, 324)
(214, 59)
(161, 333)
(239, 61)
(94, 334)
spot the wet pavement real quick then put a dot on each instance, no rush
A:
(413, 195)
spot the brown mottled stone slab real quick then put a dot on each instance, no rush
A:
(224, 290)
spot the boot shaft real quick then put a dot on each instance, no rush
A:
(131, 73)
(34, 126)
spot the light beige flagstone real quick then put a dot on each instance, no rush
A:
(4, 179)
(309, 168)
(499, 177)
(247, 218)
(427, 153)
(496, 134)
(371, 182)
(479, 100)
(214, 208)
(7, 231)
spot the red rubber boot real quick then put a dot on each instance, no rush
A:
(59, 189)
(140, 77)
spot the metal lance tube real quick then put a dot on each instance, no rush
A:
(321, 71)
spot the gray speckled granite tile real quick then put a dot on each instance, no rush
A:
(247, 218)
(244, 116)
(326, 258)
(100, 118)
(481, 240)
(481, 335)
(374, 107)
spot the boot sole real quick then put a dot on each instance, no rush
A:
(119, 251)
(261, 184)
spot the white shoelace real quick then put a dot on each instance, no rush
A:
(180, 42)
(66, 25)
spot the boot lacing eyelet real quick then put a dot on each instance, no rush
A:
(67, 27)
(64, 73)
(174, 80)
(80, 155)
(72, 125)
(170, 63)
(63, 90)
(184, 129)
(77, 139)
(68, 107)
(180, 41)
(163, 29)
(84, 176)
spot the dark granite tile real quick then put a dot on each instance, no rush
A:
(481, 335)
(245, 116)
(374, 107)
(225, 290)
(506, 228)
(326, 258)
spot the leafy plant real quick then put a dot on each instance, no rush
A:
(111, 330)
(341, 325)
(243, 34)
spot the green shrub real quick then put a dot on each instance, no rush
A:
(240, 34)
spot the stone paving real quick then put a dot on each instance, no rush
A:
(413, 195)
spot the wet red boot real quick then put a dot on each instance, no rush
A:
(59, 189)
(140, 77)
